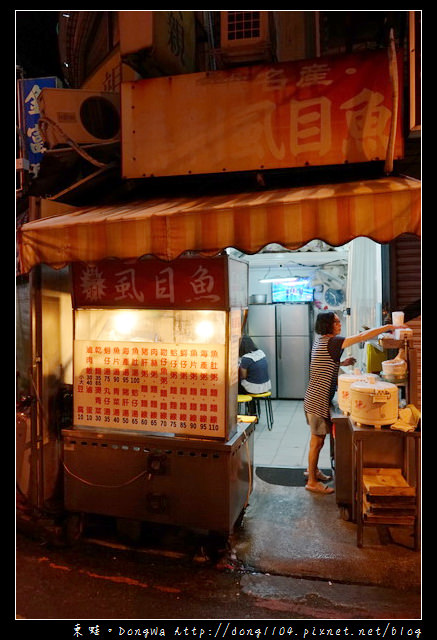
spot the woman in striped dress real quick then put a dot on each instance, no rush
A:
(325, 363)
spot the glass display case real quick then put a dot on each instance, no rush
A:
(156, 345)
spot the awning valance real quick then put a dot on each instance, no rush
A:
(336, 213)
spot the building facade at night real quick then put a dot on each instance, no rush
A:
(254, 115)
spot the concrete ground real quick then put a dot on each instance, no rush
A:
(288, 532)
(294, 556)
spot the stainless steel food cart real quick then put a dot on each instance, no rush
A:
(155, 434)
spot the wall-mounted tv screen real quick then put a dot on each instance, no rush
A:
(298, 291)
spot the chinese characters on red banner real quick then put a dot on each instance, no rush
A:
(192, 283)
(325, 111)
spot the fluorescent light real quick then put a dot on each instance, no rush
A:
(279, 275)
(280, 279)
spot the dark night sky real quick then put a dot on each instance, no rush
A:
(36, 43)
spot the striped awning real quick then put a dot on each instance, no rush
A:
(166, 228)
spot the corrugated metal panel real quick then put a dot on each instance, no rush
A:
(416, 344)
(407, 270)
(406, 279)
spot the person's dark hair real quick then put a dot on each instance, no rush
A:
(247, 345)
(325, 322)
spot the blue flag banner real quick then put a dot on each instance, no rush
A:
(29, 90)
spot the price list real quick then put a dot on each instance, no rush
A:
(172, 388)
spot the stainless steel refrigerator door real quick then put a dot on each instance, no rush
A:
(292, 319)
(268, 345)
(261, 320)
(293, 365)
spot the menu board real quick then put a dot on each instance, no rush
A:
(154, 387)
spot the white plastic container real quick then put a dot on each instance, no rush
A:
(397, 318)
(374, 402)
(403, 334)
(345, 381)
(394, 368)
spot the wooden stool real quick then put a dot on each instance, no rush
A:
(269, 410)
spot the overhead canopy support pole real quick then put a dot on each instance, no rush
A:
(393, 70)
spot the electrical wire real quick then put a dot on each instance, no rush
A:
(249, 465)
(48, 121)
(340, 261)
(104, 486)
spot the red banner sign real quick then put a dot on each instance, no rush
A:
(189, 283)
(323, 111)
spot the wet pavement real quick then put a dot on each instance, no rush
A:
(293, 557)
(307, 554)
(289, 531)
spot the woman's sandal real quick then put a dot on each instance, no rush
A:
(320, 476)
(319, 488)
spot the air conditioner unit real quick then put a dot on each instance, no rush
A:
(85, 117)
(244, 36)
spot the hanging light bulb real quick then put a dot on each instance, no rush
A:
(204, 330)
(124, 322)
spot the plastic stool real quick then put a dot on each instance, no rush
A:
(269, 410)
(243, 398)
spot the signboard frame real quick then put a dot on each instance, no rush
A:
(325, 111)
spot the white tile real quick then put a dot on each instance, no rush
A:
(288, 442)
(264, 460)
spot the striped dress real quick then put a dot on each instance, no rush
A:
(325, 362)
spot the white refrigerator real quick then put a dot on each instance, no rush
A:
(293, 349)
(283, 331)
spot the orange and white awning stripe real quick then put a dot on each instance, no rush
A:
(336, 213)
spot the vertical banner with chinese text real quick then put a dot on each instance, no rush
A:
(29, 90)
